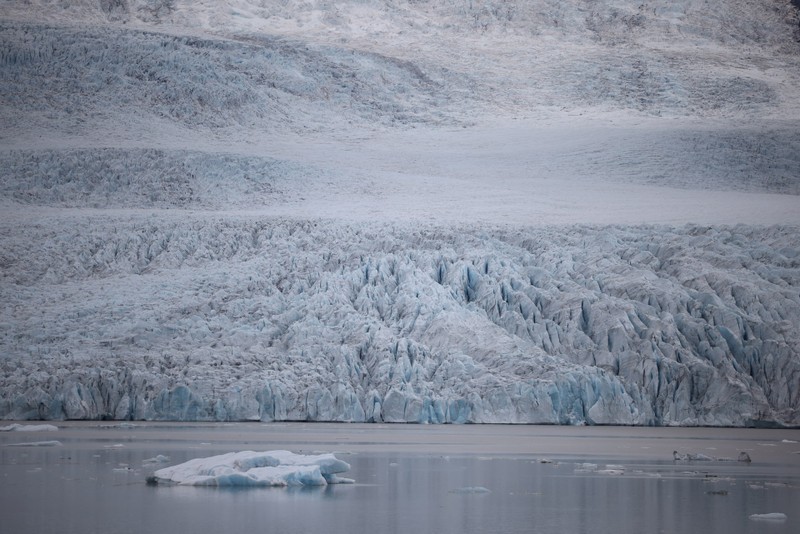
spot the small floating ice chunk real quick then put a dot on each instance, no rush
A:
(471, 490)
(647, 473)
(615, 472)
(16, 427)
(774, 516)
(690, 457)
(788, 441)
(248, 468)
(585, 468)
(159, 459)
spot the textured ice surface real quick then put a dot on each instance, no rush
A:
(273, 468)
(235, 319)
(294, 211)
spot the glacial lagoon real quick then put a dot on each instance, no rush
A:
(91, 478)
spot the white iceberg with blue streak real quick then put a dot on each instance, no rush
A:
(248, 468)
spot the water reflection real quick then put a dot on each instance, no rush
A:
(103, 490)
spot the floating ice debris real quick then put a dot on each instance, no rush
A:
(53, 443)
(788, 441)
(713, 479)
(647, 473)
(775, 516)
(609, 469)
(612, 469)
(471, 490)
(717, 492)
(16, 427)
(248, 468)
(585, 468)
(691, 457)
(160, 459)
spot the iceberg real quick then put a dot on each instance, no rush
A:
(248, 468)
(774, 516)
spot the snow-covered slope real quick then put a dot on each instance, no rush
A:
(427, 211)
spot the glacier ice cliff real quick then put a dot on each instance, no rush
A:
(293, 211)
(194, 318)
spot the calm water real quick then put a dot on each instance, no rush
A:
(95, 481)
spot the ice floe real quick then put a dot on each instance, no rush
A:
(248, 468)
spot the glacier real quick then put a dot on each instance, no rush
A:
(185, 318)
(549, 212)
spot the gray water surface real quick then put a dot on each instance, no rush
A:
(95, 483)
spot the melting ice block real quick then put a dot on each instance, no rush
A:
(247, 468)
